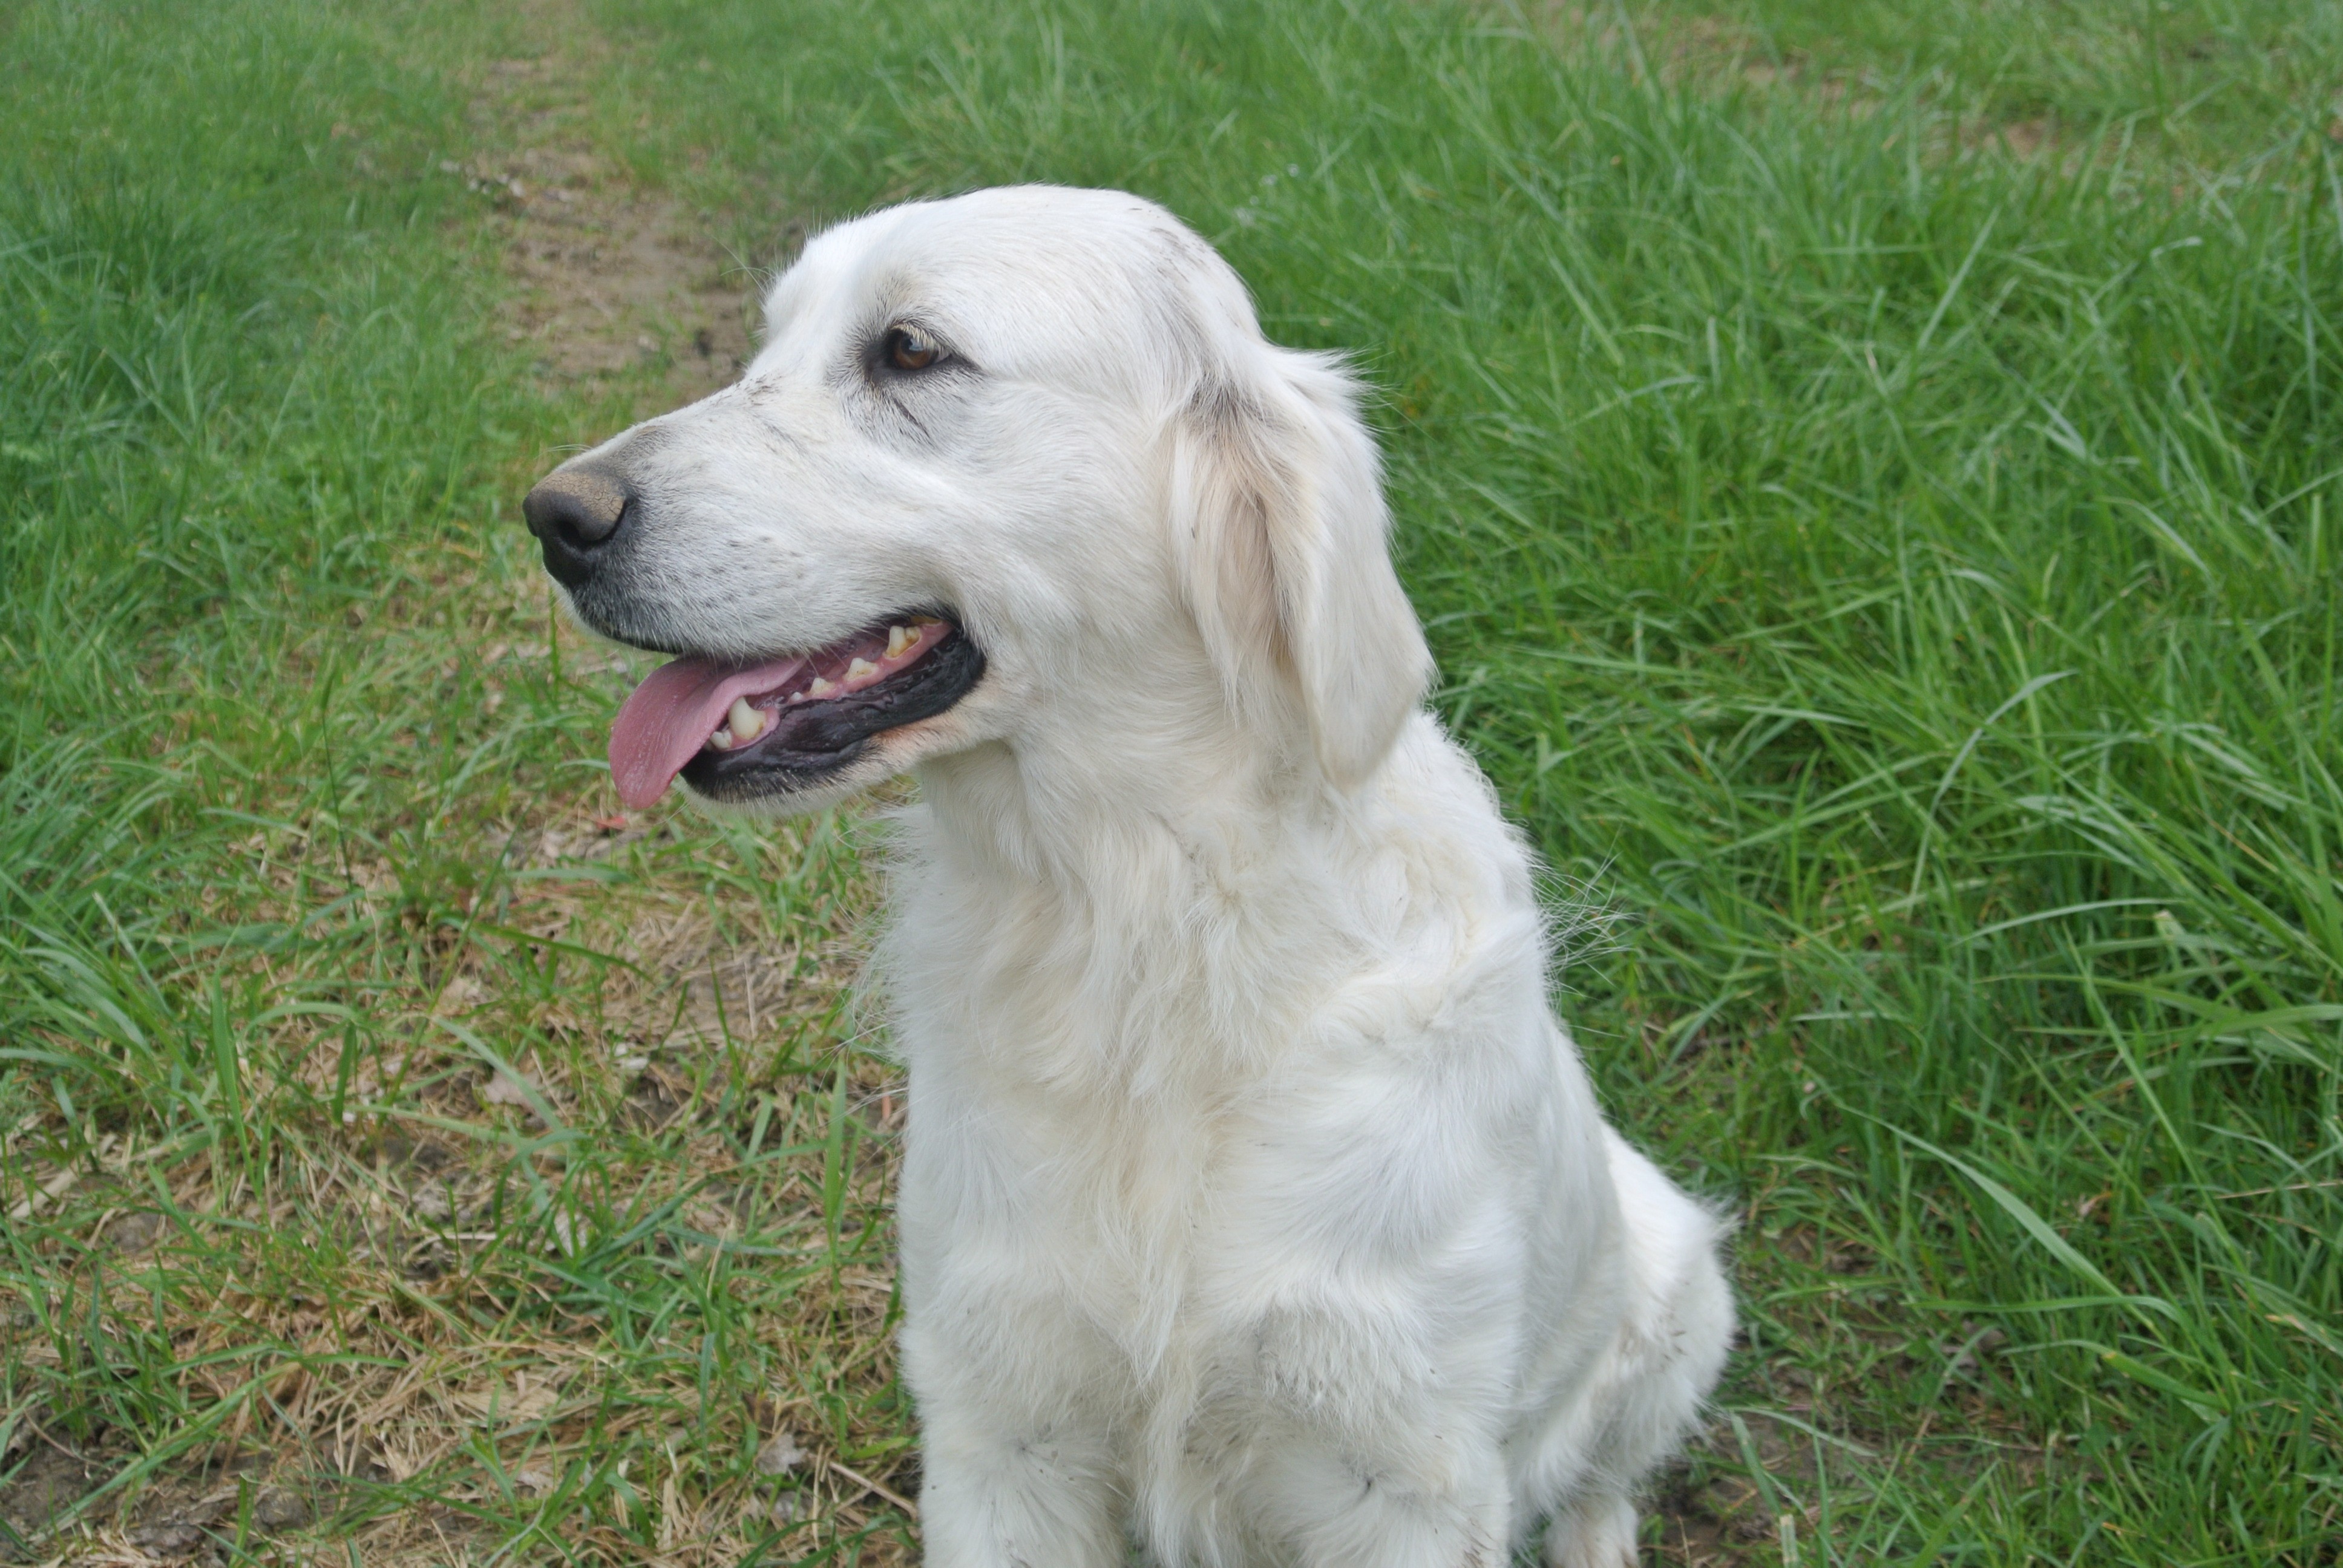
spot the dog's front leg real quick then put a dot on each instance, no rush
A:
(1373, 1447)
(1015, 1493)
(1017, 1467)
(1342, 1508)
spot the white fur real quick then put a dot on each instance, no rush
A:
(1255, 1206)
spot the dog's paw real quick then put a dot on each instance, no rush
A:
(1596, 1532)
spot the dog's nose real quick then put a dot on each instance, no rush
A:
(575, 511)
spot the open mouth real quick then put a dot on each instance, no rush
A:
(737, 730)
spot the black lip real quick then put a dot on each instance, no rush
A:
(815, 741)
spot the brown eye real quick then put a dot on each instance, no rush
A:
(908, 348)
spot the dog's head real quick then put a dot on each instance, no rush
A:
(1017, 467)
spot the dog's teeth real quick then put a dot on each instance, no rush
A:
(747, 723)
(797, 696)
(897, 640)
(720, 741)
(820, 688)
(861, 669)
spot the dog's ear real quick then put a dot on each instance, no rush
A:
(1278, 492)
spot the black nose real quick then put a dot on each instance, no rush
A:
(575, 511)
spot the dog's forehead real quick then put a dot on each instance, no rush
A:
(1001, 272)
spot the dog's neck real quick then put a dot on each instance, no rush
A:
(1144, 878)
(1067, 820)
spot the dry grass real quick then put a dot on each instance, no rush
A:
(423, 1296)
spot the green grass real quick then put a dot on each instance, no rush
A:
(1894, 575)
(2202, 79)
(286, 742)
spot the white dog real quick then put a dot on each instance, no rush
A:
(1255, 1207)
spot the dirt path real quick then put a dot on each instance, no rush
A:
(617, 285)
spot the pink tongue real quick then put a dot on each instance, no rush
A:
(672, 714)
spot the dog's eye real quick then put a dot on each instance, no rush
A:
(908, 348)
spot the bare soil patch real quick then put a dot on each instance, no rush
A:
(616, 286)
